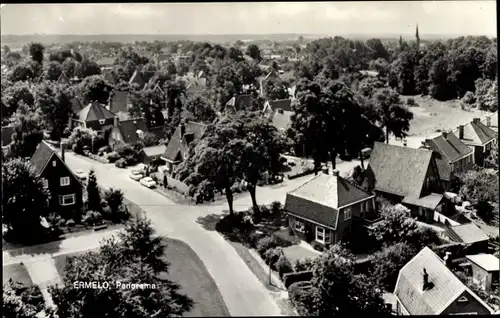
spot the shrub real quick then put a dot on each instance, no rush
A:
(291, 278)
(411, 102)
(113, 156)
(150, 139)
(237, 221)
(484, 210)
(114, 199)
(121, 163)
(318, 246)
(469, 98)
(303, 265)
(266, 243)
(272, 255)
(283, 266)
(264, 211)
(92, 218)
(253, 238)
(302, 297)
(103, 149)
(276, 208)
(70, 223)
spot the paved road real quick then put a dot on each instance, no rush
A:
(243, 293)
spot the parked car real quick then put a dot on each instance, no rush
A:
(148, 182)
(80, 174)
(140, 168)
(135, 175)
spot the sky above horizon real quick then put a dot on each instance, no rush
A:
(370, 17)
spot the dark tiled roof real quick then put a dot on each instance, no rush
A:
(446, 287)
(137, 78)
(41, 157)
(128, 129)
(119, 101)
(63, 79)
(7, 132)
(158, 131)
(240, 102)
(320, 198)
(178, 144)
(468, 233)
(449, 149)
(76, 105)
(94, 111)
(476, 133)
(285, 104)
(430, 201)
(399, 170)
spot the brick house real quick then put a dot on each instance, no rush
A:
(326, 207)
(127, 132)
(178, 146)
(426, 286)
(95, 116)
(408, 176)
(452, 156)
(478, 137)
(65, 188)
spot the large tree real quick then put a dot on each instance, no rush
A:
(27, 133)
(392, 115)
(127, 260)
(87, 68)
(202, 106)
(94, 88)
(337, 290)
(24, 200)
(254, 52)
(55, 107)
(36, 52)
(22, 301)
(387, 263)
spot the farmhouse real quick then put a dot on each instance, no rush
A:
(408, 176)
(425, 286)
(478, 137)
(324, 208)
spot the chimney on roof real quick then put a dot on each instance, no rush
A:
(335, 173)
(475, 120)
(448, 260)
(445, 134)
(426, 280)
(461, 132)
(62, 150)
(182, 130)
(488, 121)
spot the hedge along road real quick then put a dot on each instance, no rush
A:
(243, 293)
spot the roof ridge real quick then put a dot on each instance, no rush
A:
(442, 150)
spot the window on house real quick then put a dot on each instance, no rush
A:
(64, 181)
(322, 235)
(102, 121)
(68, 199)
(45, 183)
(299, 226)
(347, 213)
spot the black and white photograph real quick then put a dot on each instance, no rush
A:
(221, 159)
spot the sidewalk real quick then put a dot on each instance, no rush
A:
(46, 251)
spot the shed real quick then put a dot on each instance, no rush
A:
(485, 269)
(151, 154)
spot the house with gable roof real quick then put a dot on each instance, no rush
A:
(238, 102)
(65, 188)
(452, 156)
(325, 208)
(178, 146)
(95, 116)
(127, 132)
(426, 286)
(271, 75)
(408, 176)
(479, 137)
(63, 79)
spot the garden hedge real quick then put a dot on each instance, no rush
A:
(290, 278)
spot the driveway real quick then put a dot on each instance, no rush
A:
(243, 293)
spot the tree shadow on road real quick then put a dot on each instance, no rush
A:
(34, 250)
(209, 222)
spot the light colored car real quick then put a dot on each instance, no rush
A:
(140, 168)
(148, 182)
(80, 174)
(134, 175)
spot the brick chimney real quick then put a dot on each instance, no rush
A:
(426, 280)
(488, 121)
(182, 130)
(444, 134)
(475, 120)
(461, 132)
(335, 173)
(63, 146)
(448, 260)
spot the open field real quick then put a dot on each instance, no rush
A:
(432, 116)
(18, 273)
(188, 271)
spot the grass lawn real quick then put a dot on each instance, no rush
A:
(297, 252)
(18, 273)
(187, 270)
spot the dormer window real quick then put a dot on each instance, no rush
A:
(102, 121)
